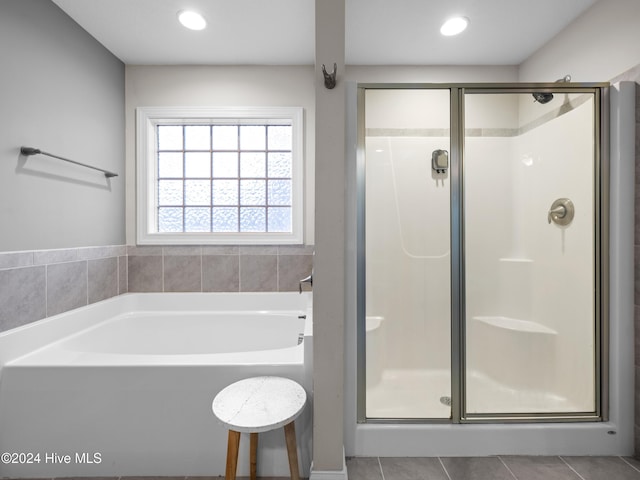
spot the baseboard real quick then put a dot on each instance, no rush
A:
(330, 474)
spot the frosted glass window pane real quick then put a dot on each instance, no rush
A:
(197, 137)
(253, 219)
(225, 164)
(279, 165)
(220, 161)
(169, 137)
(279, 219)
(169, 164)
(170, 219)
(253, 192)
(279, 137)
(224, 137)
(279, 192)
(225, 192)
(197, 219)
(197, 164)
(252, 137)
(225, 219)
(170, 192)
(197, 192)
(253, 164)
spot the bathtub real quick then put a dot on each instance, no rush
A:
(124, 387)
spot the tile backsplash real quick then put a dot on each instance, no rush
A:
(218, 269)
(37, 284)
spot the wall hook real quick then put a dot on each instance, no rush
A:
(330, 78)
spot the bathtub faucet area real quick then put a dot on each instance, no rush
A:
(308, 280)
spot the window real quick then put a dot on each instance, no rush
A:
(219, 176)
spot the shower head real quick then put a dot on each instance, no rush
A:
(542, 97)
(547, 97)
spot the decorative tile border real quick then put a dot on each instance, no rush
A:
(408, 132)
(61, 255)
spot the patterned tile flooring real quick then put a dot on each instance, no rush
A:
(494, 468)
(466, 468)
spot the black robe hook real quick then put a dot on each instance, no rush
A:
(330, 78)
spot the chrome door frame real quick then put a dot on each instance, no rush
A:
(601, 245)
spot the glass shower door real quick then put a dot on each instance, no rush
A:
(530, 241)
(407, 237)
(482, 290)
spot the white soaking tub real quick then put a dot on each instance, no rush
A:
(124, 386)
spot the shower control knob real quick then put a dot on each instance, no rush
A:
(561, 212)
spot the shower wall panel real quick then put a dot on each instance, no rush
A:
(563, 278)
(408, 250)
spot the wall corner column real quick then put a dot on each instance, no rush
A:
(329, 262)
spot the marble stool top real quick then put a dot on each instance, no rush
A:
(259, 404)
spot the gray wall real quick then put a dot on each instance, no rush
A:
(63, 92)
(598, 45)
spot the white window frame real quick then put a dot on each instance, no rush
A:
(147, 121)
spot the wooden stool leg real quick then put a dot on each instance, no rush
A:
(253, 456)
(232, 455)
(292, 450)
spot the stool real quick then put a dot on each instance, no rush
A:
(255, 405)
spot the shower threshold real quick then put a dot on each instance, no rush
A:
(417, 394)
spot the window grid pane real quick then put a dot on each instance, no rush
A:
(231, 178)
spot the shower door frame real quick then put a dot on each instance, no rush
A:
(600, 91)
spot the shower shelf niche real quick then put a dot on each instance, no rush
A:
(516, 260)
(515, 324)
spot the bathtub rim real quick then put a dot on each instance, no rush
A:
(20, 342)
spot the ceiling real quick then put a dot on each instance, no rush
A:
(281, 32)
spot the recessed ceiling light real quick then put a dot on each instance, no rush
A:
(192, 20)
(454, 26)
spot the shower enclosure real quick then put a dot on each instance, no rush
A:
(482, 290)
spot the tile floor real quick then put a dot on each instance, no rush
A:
(145, 478)
(467, 468)
(494, 468)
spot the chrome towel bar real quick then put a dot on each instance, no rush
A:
(35, 151)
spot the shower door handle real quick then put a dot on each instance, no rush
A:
(561, 212)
